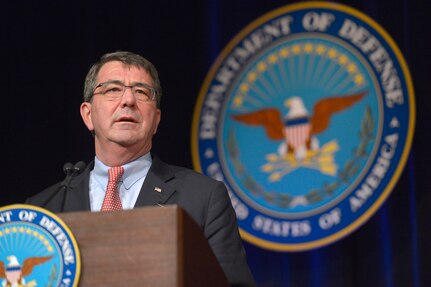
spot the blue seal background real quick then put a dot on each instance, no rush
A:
(252, 142)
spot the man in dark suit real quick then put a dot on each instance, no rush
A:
(122, 109)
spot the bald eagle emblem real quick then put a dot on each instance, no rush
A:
(14, 273)
(298, 132)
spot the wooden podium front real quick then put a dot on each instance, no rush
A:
(149, 246)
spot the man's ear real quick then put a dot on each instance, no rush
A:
(159, 115)
(86, 115)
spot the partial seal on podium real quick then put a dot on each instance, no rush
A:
(36, 248)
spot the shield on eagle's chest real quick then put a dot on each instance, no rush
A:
(297, 132)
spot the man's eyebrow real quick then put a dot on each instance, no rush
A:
(138, 84)
(141, 84)
(111, 82)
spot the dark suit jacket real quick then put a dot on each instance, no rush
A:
(204, 199)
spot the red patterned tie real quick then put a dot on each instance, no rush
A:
(112, 197)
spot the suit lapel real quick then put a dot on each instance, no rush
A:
(155, 189)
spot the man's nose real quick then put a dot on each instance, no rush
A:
(128, 97)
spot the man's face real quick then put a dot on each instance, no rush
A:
(125, 121)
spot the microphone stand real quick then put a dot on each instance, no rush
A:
(71, 171)
(77, 169)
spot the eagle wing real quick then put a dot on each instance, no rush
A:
(325, 108)
(29, 263)
(269, 118)
(2, 270)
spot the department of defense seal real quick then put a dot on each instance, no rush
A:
(307, 116)
(36, 249)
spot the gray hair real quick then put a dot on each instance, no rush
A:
(127, 58)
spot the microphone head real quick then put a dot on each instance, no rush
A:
(67, 167)
(79, 166)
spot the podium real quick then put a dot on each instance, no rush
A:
(148, 246)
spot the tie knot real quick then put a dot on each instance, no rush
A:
(115, 173)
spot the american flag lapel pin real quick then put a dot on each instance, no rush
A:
(158, 189)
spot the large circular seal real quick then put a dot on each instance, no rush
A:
(36, 248)
(307, 116)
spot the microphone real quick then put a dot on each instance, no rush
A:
(71, 171)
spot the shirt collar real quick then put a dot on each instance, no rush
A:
(133, 171)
